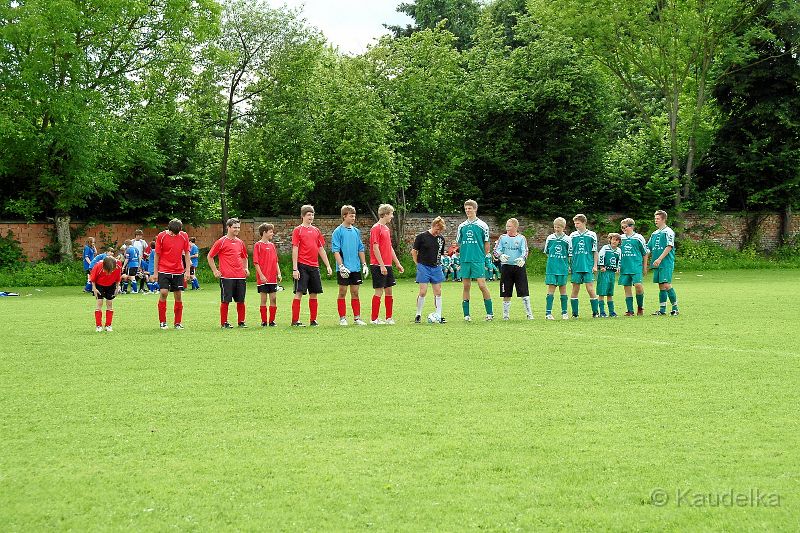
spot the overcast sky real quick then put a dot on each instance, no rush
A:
(349, 24)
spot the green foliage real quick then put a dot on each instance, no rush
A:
(459, 17)
(11, 254)
(709, 255)
(43, 274)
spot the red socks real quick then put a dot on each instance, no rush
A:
(389, 305)
(240, 311)
(356, 304)
(272, 310)
(376, 307)
(263, 310)
(295, 310)
(98, 318)
(313, 305)
(162, 311)
(341, 304)
(178, 308)
(223, 312)
(109, 317)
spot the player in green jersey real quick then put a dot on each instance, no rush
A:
(662, 246)
(633, 266)
(446, 263)
(583, 261)
(472, 237)
(608, 263)
(557, 248)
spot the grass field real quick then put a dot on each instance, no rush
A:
(484, 426)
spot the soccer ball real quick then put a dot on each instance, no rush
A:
(434, 318)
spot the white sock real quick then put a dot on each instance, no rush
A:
(526, 303)
(506, 307)
(438, 300)
(420, 304)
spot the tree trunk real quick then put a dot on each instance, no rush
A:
(786, 226)
(223, 174)
(63, 237)
(673, 141)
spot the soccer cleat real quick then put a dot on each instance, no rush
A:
(603, 315)
(98, 329)
(163, 325)
(613, 315)
(226, 325)
(343, 321)
(179, 326)
(389, 322)
(313, 323)
(442, 320)
(595, 315)
(506, 317)
(417, 319)
(574, 316)
(660, 313)
(489, 318)
(629, 313)
(242, 325)
(109, 328)
(263, 324)
(564, 316)
(467, 318)
(377, 322)
(640, 311)
(549, 317)
(359, 322)
(529, 317)
(298, 324)
(674, 312)
(272, 324)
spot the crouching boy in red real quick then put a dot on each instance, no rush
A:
(105, 278)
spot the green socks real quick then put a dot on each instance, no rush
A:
(603, 307)
(662, 301)
(640, 300)
(595, 306)
(611, 307)
(549, 306)
(574, 303)
(564, 300)
(487, 304)
(465, 307)
(629, 303)
(673, 298)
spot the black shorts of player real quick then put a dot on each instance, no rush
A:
(173, 282)
(107, 292)
(353, 279)
(232, 290)
(268, 288)
(309, 282)
(131, 271)
(192, 270)
(379, 281)
(513, 276)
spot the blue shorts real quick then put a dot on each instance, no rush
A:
(429, 274)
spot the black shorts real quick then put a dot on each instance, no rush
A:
(106, 292)
(513, 276)
(268, 288)
(131, 271)
(379, 281)
(192, 270)
(232, 290)
(353, 279)
(310, 280)
(173, 282)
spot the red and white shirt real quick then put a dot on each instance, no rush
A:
(103, 278)
(380, 235)
(266, 257)
(308, 240)
(230, 252)
(170, 249)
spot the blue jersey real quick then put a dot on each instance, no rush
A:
(132, 257)
(88, 255)
(347, 241)
(98, 258)
(514, 247)
(194, 252)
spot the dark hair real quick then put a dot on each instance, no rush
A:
(109, 264)
(175, 226)
(263, 228)
(232, 221)
(192, 239)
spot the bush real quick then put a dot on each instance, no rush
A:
(43, 274)
(11, 254)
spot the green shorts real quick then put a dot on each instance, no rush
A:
(662, 275)
(626, 280)
(605, 283)
(582, 277)
(555, 279)
(472, 270)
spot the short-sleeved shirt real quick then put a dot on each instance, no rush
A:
(97, 259)
(103, 278)
(659, 240)
(170, 250)
(132, 256)
(557, 248)
(194, 252)
(266, 257)
(609, 258)
(514, 247)
(429, 248)
(347, 241)
(88, 255)
(633, 251)
(445, 260)
(471, 237)
(230, 252)
(308, 240)
(584, 245)
(140, 245)
(380, 235)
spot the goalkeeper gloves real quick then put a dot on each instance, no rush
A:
(520, 262)
(503, 258)
(365, 270)
(344, 272)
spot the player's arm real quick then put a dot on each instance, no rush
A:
(376, 251)
(364, 268)
(154, 275)
(259, 273)
(396, 261)
(278, 268)
(414, 255)
(212, 263)
(324, 256)
(596, 260)
(337, 256)
(246, 266)
(188, 259)
(661, 257)
(295, 253)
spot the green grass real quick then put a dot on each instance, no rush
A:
(501, 426)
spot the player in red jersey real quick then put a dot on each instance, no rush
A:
(307, 244)
(105, 277)
(232, 272)
(268, 273)
(382, 256)
(171, 269)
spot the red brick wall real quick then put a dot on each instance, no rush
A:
(726, 229)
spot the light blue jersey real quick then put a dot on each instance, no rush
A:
(347, 241)
(132, 257)
(97, 259)
(194, 250)
(514, 247)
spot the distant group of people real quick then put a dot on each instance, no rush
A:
(171, 259)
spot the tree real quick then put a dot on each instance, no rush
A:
(459, 17)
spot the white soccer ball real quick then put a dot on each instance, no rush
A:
(434, 318)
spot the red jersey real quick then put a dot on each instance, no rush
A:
(266, 257)
(103, 278)
(308, 240)
(169, 249)
(230, 252)
(381, 235)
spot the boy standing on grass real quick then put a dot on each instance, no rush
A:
(171, 267)
(89, 251)
(232, 273)
(307, 244)
(472, 238)
(105, 278)
(268, 273)
(584, 263)
(130, 267)
(427, 252)
(557, 248)
(608, 262)
(512, 250)
(351, 264)
(382, 257)
(194, 254)
(633, 266)
(662, 245)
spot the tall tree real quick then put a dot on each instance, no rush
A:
(459, 17)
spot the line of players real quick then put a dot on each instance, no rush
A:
(575, 256)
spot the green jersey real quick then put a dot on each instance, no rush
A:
(558, 249)
(659, 240)
(633, 251)
(609, 258)
(584, 245)
(471, 237)
(446, 261)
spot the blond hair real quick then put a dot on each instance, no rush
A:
(306, 209)
(560, 221)
(628, 222)
(513, 221)
(263, 228)
(385, 209)
(438, 222)
(347, 209)
(580, 217)
(661, 213)
(473, 203)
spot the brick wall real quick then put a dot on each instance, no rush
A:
(726, 229)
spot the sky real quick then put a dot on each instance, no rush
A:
(349, 24)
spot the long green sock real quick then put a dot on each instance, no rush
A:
(487, 304)
(594, 303)
(662, 300)
(548, 310)
(629, 303)
(602, 305)
(673, 298)
(611, 307)
(574, 303)
(465, 307)
(640, 300)
(564, 300)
